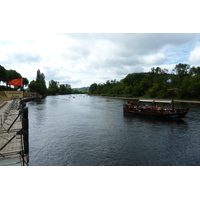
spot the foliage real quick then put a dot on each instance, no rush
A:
(40, 83)
(8, 75)
(93, 88)
(65, 89)
(38, 86)
(154, 84)
(3, 74)
(32, 86)
(12, 74)
(53, 87)
(25, 81)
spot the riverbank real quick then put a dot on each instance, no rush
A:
(132, 98)
(3, 98)
(27, 97)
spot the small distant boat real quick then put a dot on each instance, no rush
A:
(155, 109)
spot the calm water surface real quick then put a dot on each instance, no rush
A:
(93, 131)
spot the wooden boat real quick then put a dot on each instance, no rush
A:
(155, 109)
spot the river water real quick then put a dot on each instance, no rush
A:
(80, 130)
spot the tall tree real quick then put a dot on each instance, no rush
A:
(12, 74)
(3, 74)
(53, 87)
(25, 81)
(32, 86)
(40, 83)
(194, 71)
(93, 88)
(181, 70)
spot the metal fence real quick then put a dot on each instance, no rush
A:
(8, 109)
(1, 122)
(14, 140)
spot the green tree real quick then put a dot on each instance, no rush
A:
(184, 88)
(133, 79)
(153, 91)
(65, 89)
(93, 88)
(32, 86)
(154, 84)
(38, 86)
(194, 71)
(40, 76)
(127, 90)
(12, 74)
(118, 89)
(180, 70)
(53, 87)
(157, 74)
(25, 82)
(194, 87)
(3, 74)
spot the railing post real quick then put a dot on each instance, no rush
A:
(1, 122)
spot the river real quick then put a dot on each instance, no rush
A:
(81, 130)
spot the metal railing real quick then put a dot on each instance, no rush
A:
(1, 122)
(8, 145)
(7, 111)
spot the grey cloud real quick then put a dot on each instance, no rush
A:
(108, 55)
(25, 58)
(75, 53)
(52, 74)
(121, 53)
(130, 48)
(70, 82)
(153, 42)
(139, 42)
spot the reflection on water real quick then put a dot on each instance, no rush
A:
(94, 131)
(150, 119)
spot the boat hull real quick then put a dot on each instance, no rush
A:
(179, 113)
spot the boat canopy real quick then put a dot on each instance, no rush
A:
(146, 100)
(155, 101)
(162, 101)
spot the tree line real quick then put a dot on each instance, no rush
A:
(154, 84)
(38, 85)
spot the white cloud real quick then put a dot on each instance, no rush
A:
(158, 58)
(194, 58)
(82, 59)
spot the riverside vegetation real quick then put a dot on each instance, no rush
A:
(154, 84)
(37, 86)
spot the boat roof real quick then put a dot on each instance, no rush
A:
(155, 101)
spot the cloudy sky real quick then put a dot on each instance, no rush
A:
(82, 59)
(96, 41)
